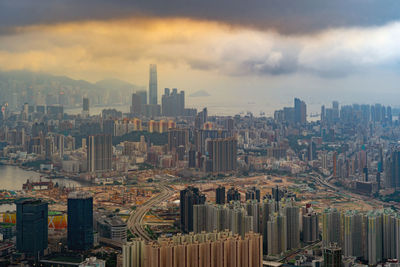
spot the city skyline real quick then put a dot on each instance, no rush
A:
(276, 56)
(202, 133)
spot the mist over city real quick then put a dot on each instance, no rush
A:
(200, 133)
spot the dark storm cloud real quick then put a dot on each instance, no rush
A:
(286, 16)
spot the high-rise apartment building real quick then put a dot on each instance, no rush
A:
(189, 197)
(333, 256)
(353, 242)
(293, 226)
(192, 158)
(108, 127)
(222, 154)
(310, 227)
(220, 195)
(178, 137)
(390, 235)
(331, 227)
(232, 195)
(80, 220)
(205, 249)
(60, 143)
(151, 110)
(253, 209)
(173, 103)
(393, 169)
(201, 118)
(32, 226)
(277, 234)
(201, 136)
(253, 193)
(49, 147)
(234, 216)
(99, 152)
(375, 237)
(153, 91)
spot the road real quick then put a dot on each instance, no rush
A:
(135, 221)
(371, 199)
(299, 250)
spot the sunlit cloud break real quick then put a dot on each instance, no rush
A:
(93, 49)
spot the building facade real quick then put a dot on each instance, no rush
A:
(80, 220)
(32, 231)
(217, 249)
(153, 91)
(188, 198)
(222, 154)
(99, 152)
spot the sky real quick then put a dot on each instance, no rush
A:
(248, 55)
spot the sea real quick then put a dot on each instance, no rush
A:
(13, 177)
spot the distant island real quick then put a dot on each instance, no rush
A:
(200, 93)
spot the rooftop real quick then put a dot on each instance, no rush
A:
(113, 221)
(79, 195)
(31, 201)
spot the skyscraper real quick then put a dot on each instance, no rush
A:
(173, 103)
(240, 218)
(80, 220)
(192, 158)
(178, 137)
(389, 115)
(153, 85)
(203, 249)
(99, 152)
(136, 105)
(32, 231)
(300, 111)
(143, 97)
(393, 172)
(323, 113)
(189, 197)
(333, 256)
(277, 234)
(253, 193)
(85, 107)
(331, 231)
(293, 226)
(389, 234)
(222, 154)
(60, 140)
(335, 111)
(353, 236)
(201, 118)
(220, 195)
(200, 137)
(375, 237)
(310, 227)
(232, 195)
(335, 105)
(49, 147)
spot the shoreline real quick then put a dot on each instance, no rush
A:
(35, 175)
(46, 174)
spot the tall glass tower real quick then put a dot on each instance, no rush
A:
(153, 85)
(32, 226)
(80, 220)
